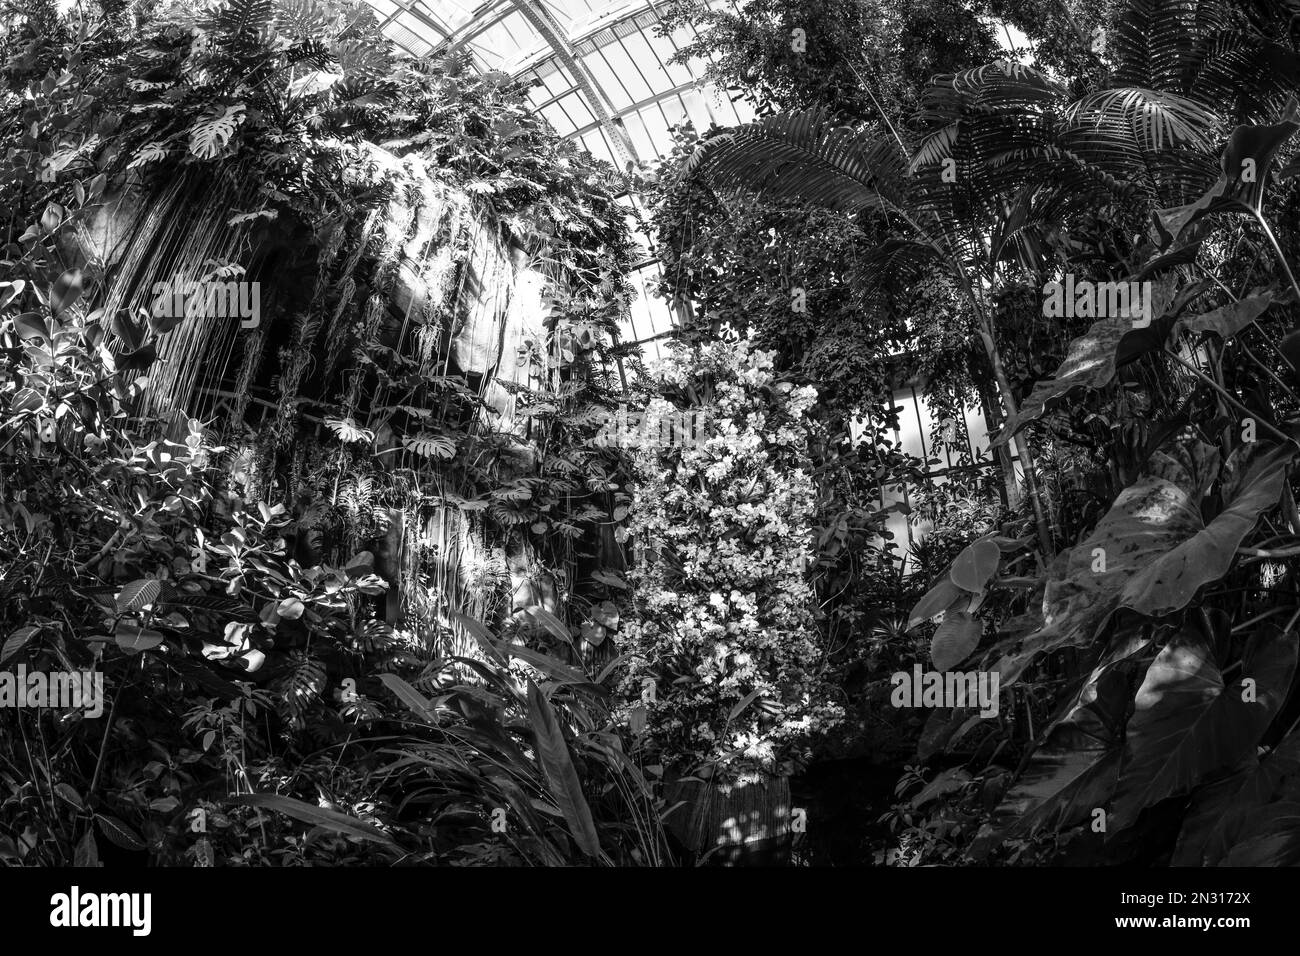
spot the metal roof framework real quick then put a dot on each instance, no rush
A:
(602, 77)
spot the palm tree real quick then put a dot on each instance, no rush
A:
(804, 155)
(1001, 156)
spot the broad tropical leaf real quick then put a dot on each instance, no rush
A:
(552, 624)
(1058, 788)
(977, 563)
(135, 639)
(138, 594)
(1099, 712)
(16, 641)
(545, 663)
(955, 638)
(429, 445)
(561, 777)
(1187, 724)
(1245, 166)
(316, 816)
(944, 595)
(1090, 363)
(1148, 519)
(1168, 580)
(420, 705)
(1272, 839)
(1220, 813)
(349, 431)
(211, 133)
(119, 833)
(1228, 320)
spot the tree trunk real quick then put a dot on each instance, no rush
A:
(1022, 445)
(991, 404)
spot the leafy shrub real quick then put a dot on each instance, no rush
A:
(136, 557)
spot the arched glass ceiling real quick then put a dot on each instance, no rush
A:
(604, 79)
(603, 69)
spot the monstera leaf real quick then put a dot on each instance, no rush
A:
(430, 445)
(1187, 723)
(211, 133)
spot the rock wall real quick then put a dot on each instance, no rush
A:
(447, 290)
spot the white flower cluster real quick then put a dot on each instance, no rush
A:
(723, 605)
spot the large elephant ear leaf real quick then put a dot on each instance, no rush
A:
(561, 776)
(1091, 360)
(975, 565)
(1248, 157)
(936, 601)
(1246, 162)
(1152, 550)
(966, 580)
(1076, 768)
(1097, 715)
(1229, 320)
(1221, 813)
(1175, 701)
(1089, 364)
(1187, 724)
(954, 640)
(1148, 519)
(1057, 789)
(1272, 840)
(1170, 223)
(1253, 484)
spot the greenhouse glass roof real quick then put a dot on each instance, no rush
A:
(603, 78)
(603, 70)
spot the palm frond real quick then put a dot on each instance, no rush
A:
(935, 147)
(1151, 119)
(806, 156)
(1243, 73)
(1153, 42)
